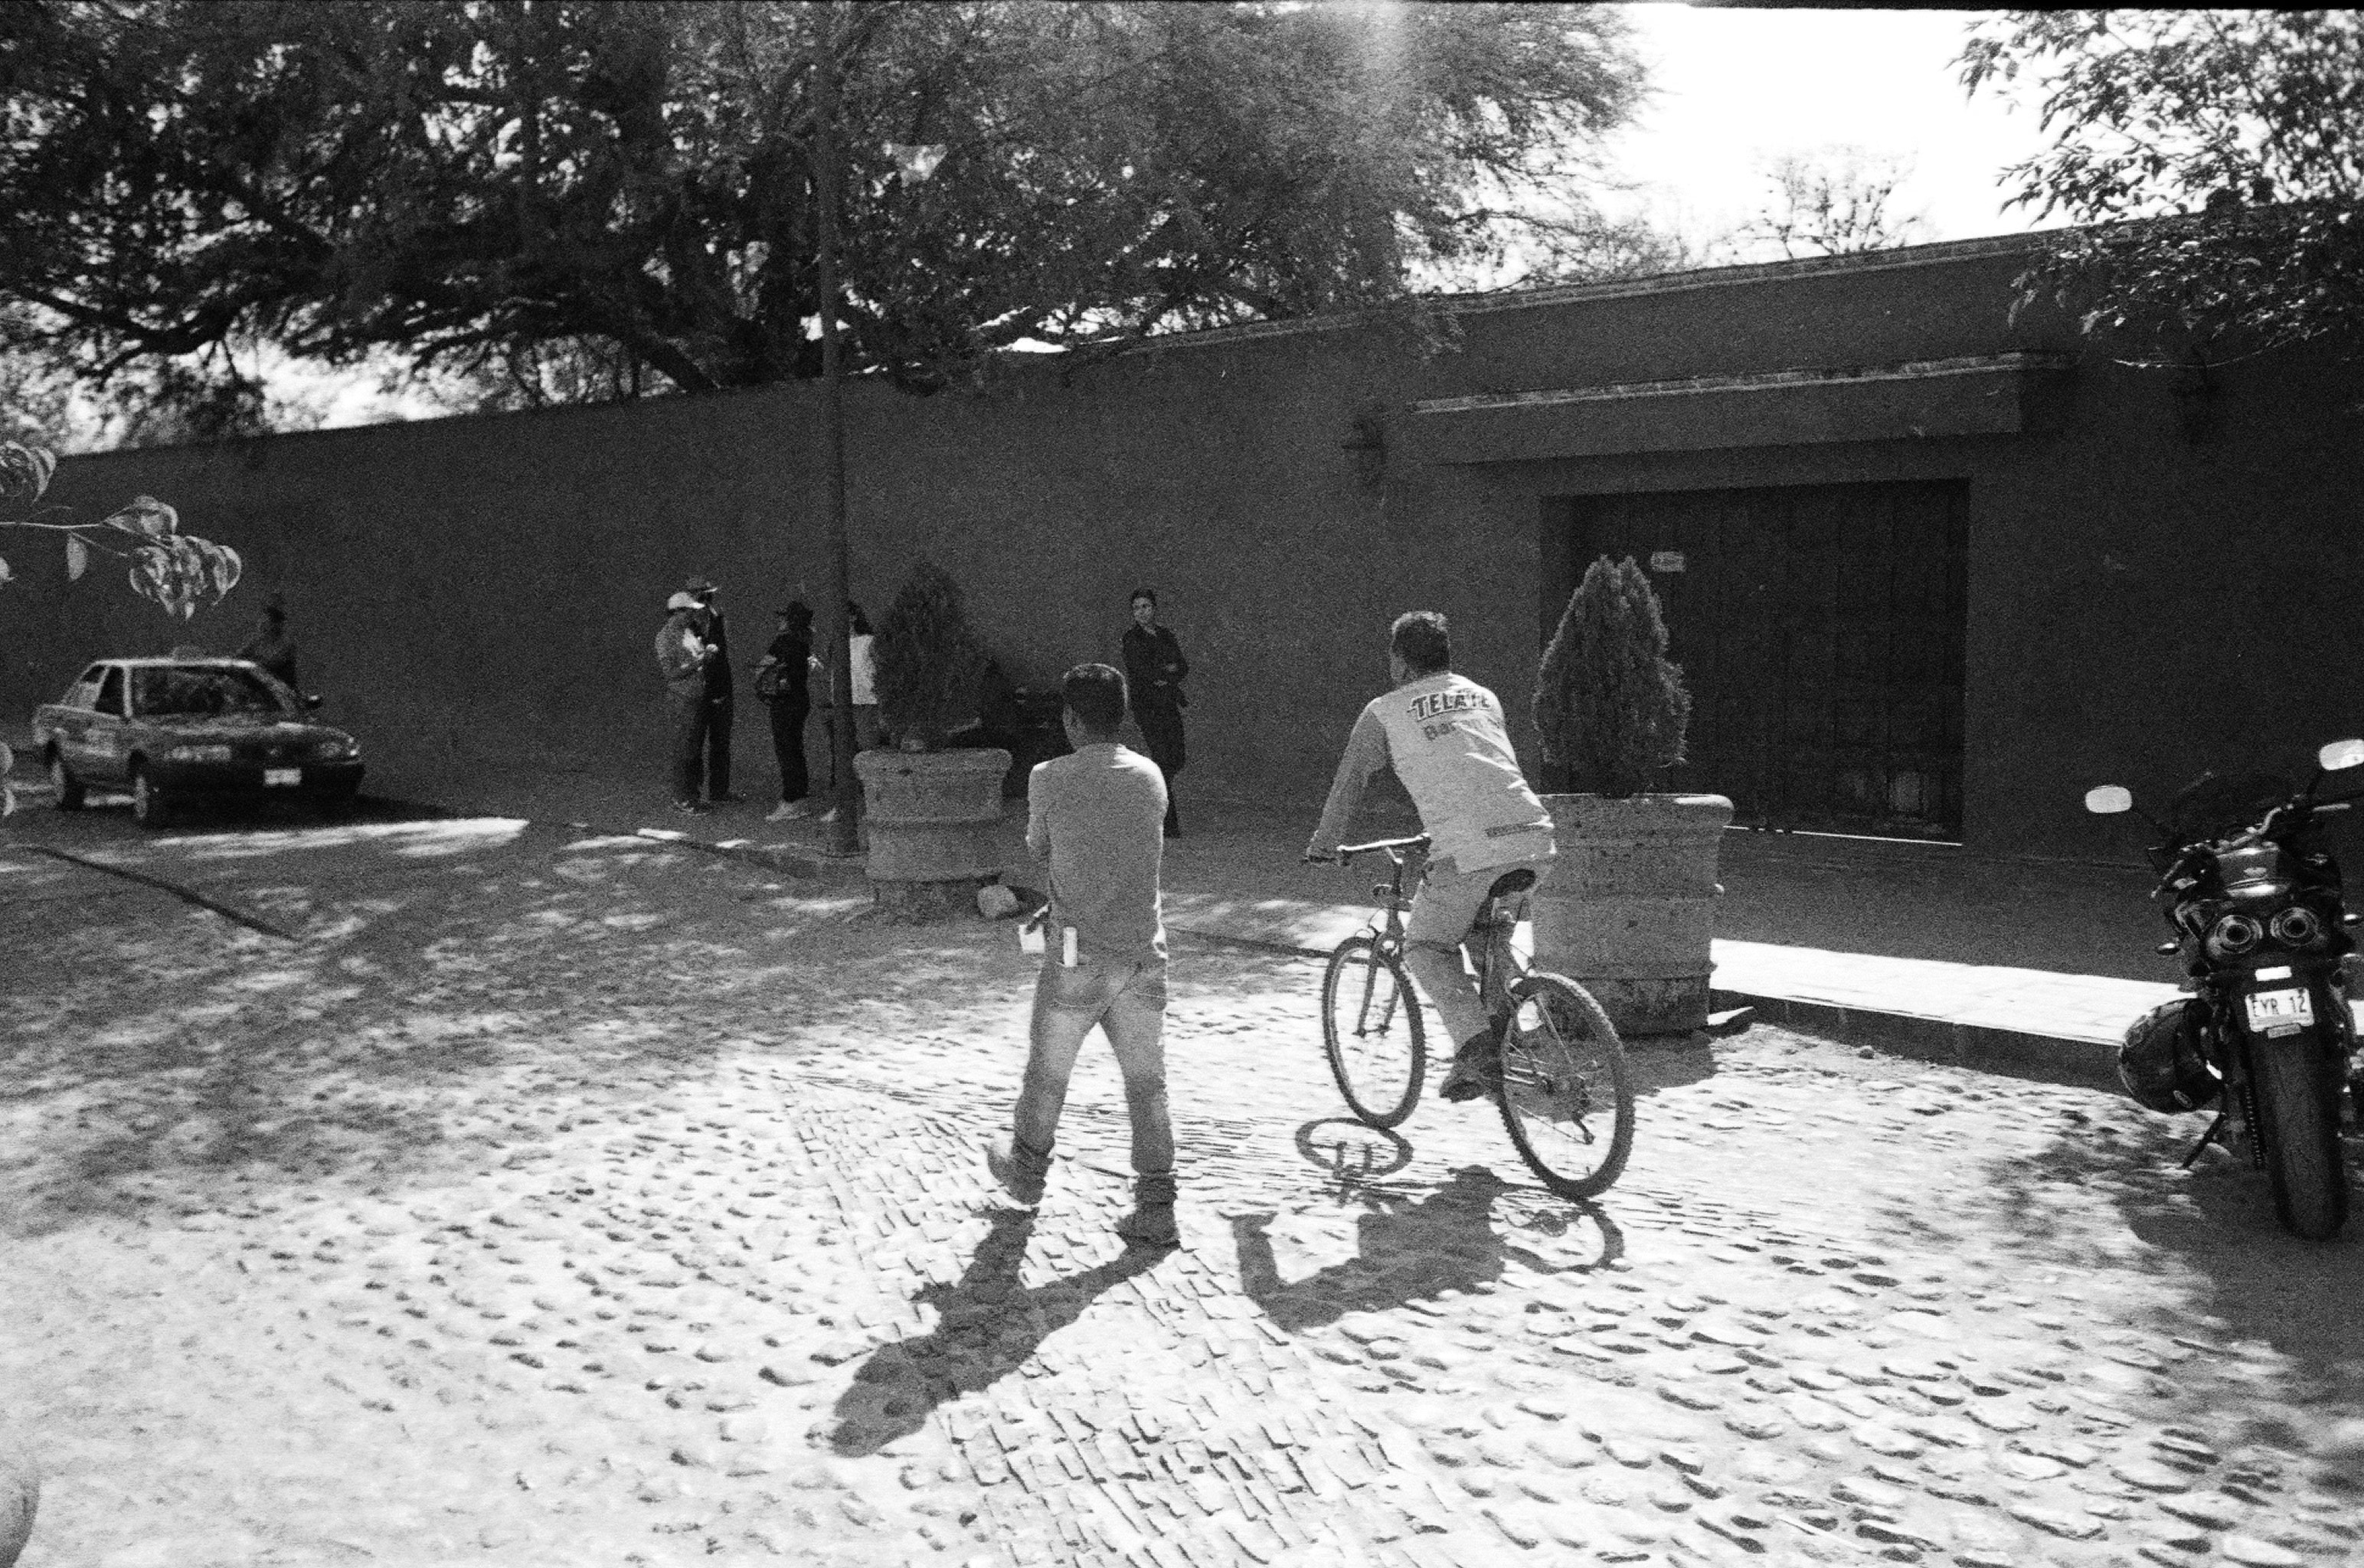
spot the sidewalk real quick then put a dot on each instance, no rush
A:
(2027, 967)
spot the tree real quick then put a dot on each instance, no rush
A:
(2219, 151)
(1609, 704)
(178, 571)
(569, 198)
(1835, 203)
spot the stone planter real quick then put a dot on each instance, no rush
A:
(1628, 911)
(930, 816)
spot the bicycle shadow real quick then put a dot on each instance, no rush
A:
(1409, 1248)
(987, 1325)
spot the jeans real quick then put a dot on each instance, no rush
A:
(687, 719)
(1128, 1002)
(1448, 900)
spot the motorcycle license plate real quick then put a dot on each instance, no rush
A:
(282, 775)
(2280, 1012)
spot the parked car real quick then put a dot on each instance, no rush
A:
(181, 731)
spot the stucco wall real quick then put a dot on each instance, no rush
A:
(2140, 606)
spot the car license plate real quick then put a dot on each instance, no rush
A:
(2281, 1012)
(282, 775)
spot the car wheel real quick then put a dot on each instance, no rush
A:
(147, 800)
(69, 788)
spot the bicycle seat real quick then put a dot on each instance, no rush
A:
(1511, 882)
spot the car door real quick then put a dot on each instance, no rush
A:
(107, 739)
(68, 720)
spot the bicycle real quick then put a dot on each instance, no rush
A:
(1563, 1069)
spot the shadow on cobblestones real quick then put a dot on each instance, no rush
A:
(2278, 1309)
(988, 1326)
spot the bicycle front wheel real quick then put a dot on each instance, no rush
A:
(1371, 1032)
(1566, 1093)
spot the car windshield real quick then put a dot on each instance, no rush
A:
(159, 691)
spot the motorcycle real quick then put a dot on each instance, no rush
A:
(2262, 930)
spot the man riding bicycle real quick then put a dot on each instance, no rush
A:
(1445, 739)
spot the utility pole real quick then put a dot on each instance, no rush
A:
(844, 836)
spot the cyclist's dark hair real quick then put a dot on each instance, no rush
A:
(1149, 593)
(1420, 639)
(1095, 693)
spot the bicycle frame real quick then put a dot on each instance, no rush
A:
(1487, 945)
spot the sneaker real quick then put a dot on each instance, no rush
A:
(1477, 1068)
(688, 807)
(1018, 1171)
(829, 815)
(1151, 1223)
(788, 811)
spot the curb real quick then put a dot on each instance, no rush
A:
(2049, 1059)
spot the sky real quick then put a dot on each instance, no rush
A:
(1736, 88)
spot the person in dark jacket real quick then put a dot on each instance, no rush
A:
(789, 663)
(719, 707)
(1154, 668)
(273, 646)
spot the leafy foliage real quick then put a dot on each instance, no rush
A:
(1608, 702)
(571, 199)
(927, 662)
(178, 571)
(2224, 150)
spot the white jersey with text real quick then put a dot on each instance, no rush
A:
(1444, 736)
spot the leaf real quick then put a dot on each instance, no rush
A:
(77, 558)
(146, 516)
(227, 570)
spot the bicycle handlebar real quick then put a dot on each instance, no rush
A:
(1389, 846)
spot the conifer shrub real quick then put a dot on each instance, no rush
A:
(927, 661)
(1610, 704)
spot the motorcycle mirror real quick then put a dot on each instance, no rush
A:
(2108, 800)
(2341, 755)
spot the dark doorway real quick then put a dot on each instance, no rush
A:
(1820, 631)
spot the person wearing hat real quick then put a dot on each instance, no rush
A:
(684, 659)
(720, 708)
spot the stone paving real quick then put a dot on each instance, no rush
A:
(596, 1202)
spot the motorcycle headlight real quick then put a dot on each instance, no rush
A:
(335, 751)
(2298, 926)
(2233, 934)
(198, 755)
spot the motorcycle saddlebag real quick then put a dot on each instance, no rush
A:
(2163, 1061)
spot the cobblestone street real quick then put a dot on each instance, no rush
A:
(598, 1202)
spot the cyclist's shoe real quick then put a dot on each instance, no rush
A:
(1477, 1068)
(1151, 1223)
(1018, 1169)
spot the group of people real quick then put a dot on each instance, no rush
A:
(1097, 820)
(693, 651)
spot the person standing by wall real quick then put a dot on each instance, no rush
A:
(683, 660)
(784, 680)
(1154, 668)
(864, 678)
(1092, 819)
(721, 710)
(273, 646)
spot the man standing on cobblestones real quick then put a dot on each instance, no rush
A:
(1445, 737)
(1095, 820)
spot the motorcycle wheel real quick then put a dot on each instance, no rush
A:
(2297, 1098)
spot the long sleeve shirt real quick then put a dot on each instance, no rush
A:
(1154, 668)
(1445, 739)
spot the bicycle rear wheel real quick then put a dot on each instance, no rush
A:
(1371, 1032)
(1566, 1095)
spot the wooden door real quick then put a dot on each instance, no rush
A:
(1820, 630)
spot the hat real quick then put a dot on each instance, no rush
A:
(700, 585)
(681, 602)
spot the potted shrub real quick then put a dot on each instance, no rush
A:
(1629, 909)
(930, 809)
